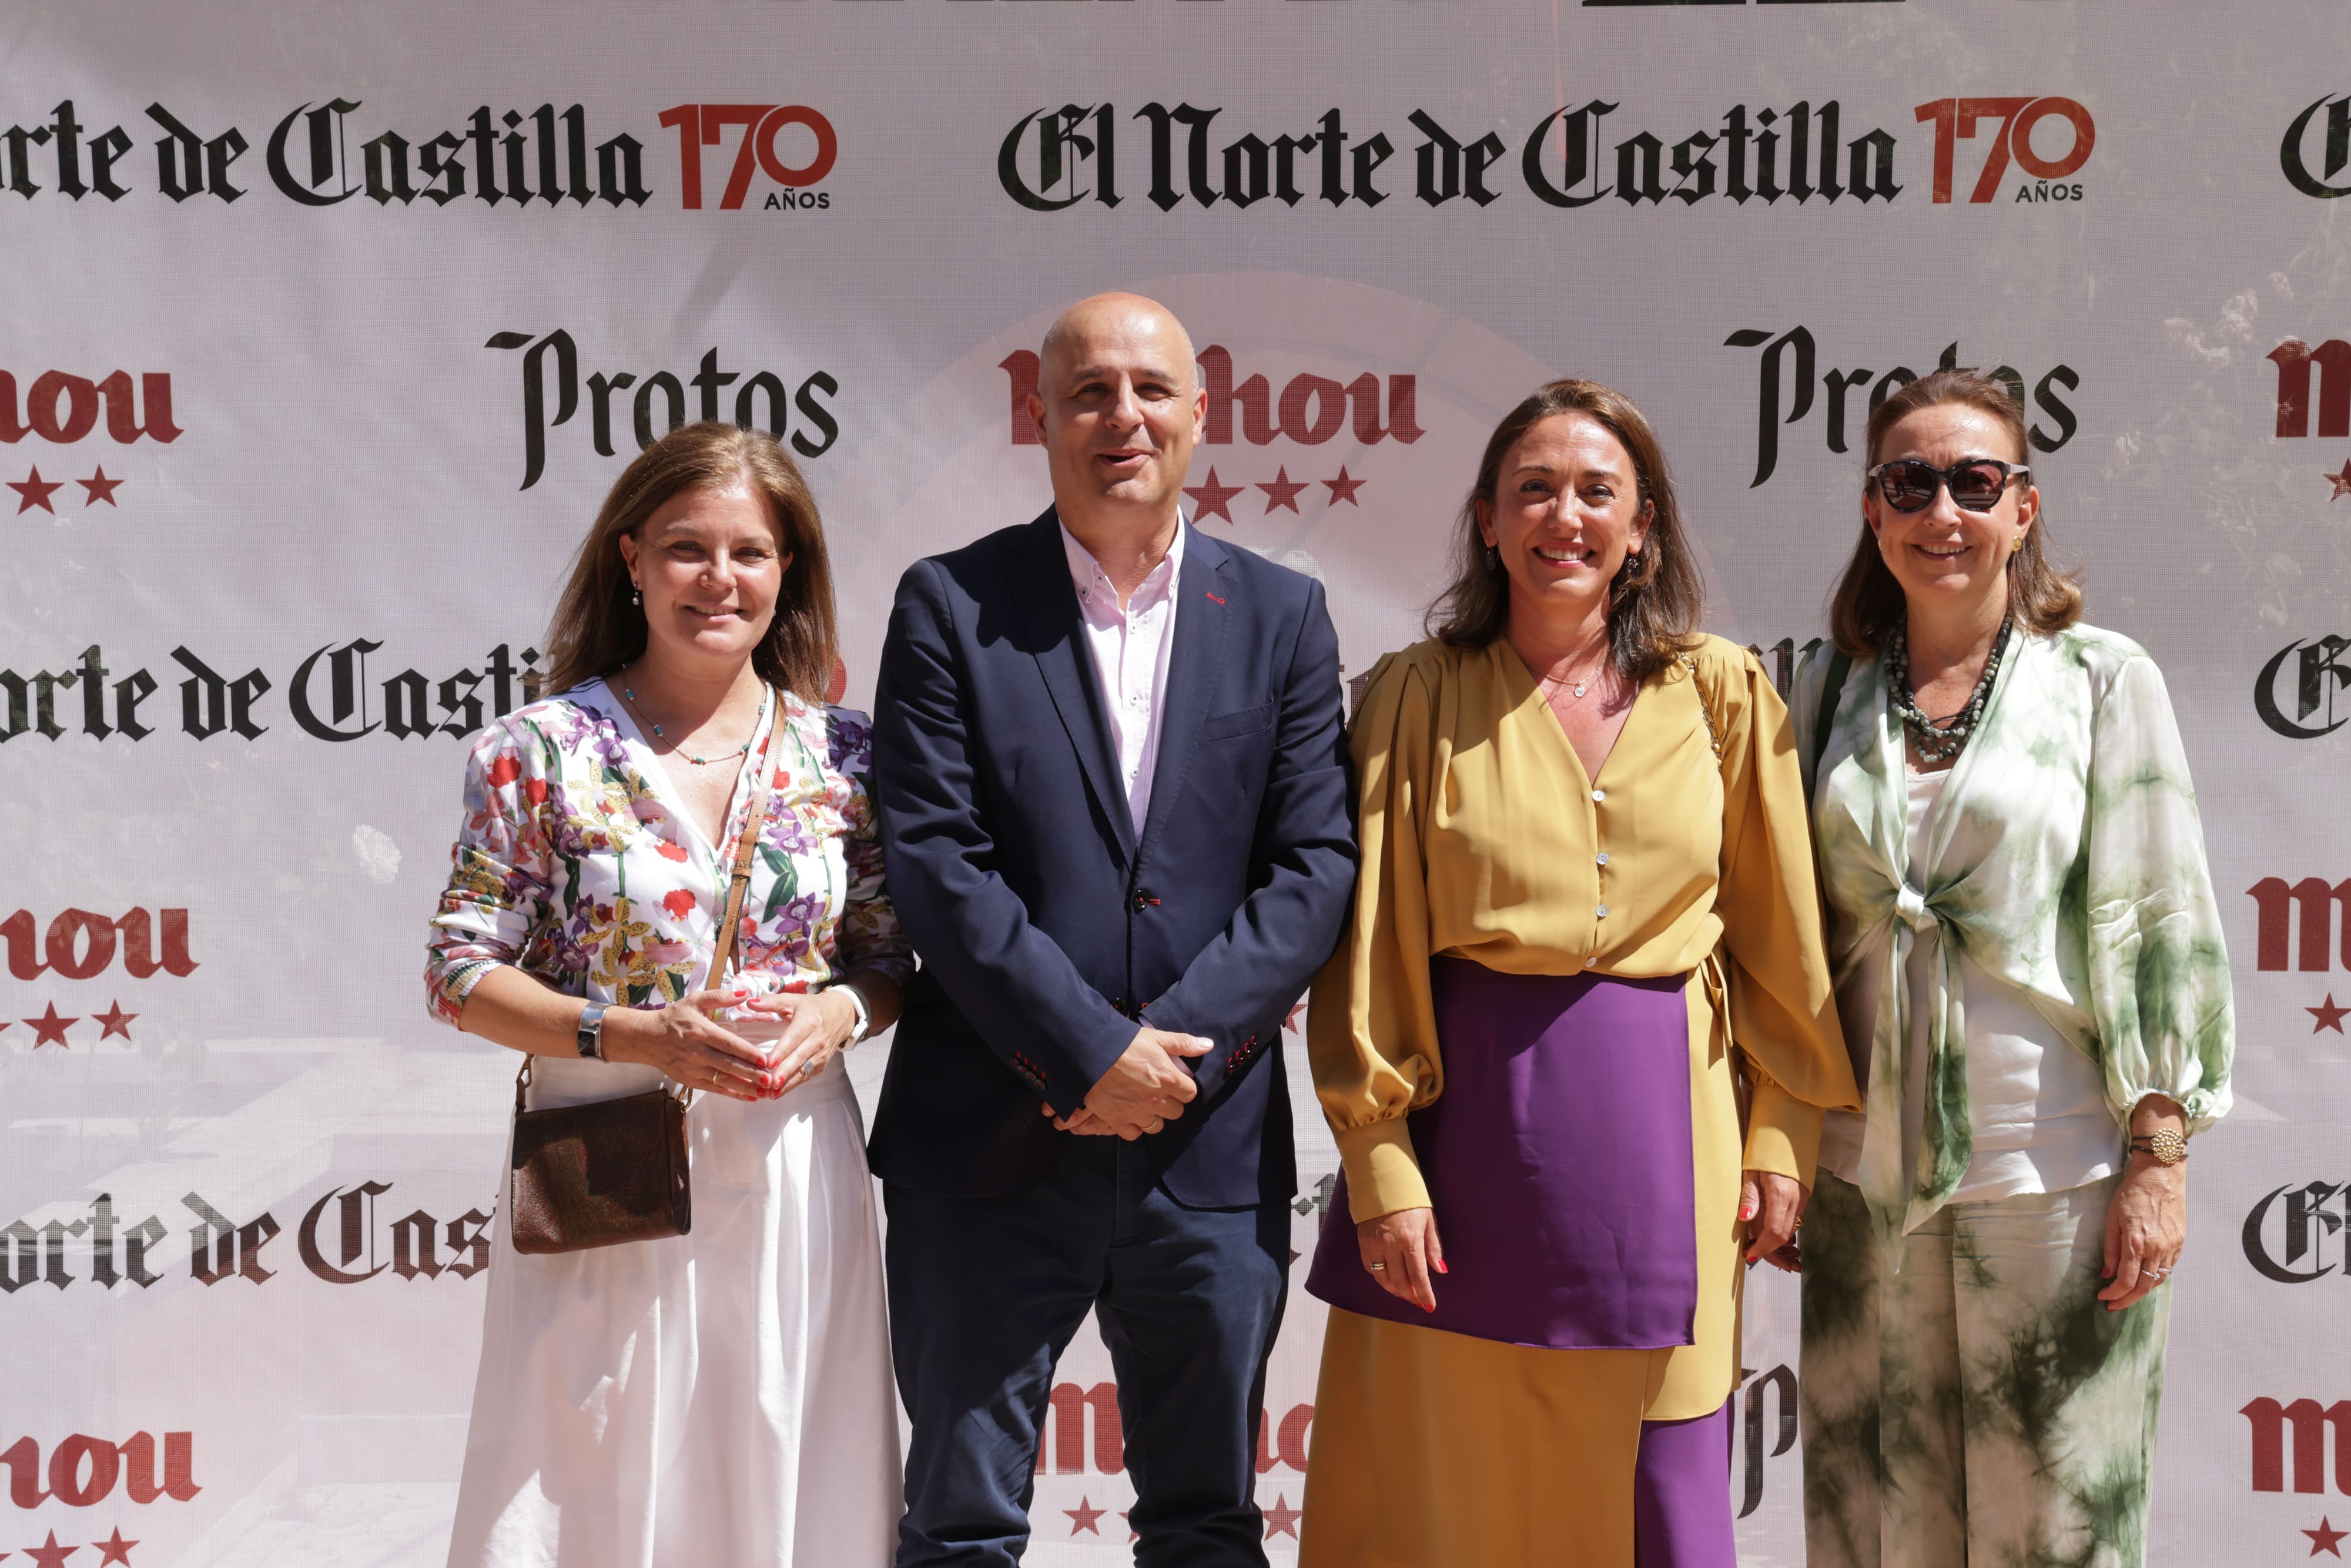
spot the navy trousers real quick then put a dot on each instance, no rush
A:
(986, 1293)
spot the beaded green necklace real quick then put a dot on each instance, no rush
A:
(1940, 740)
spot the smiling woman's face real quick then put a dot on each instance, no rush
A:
(1565, 511)
(1945, 555)
(710, 563)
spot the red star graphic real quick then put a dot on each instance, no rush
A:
(100, 488)
(116, 1021)
(1212, 497)
(50, 1030)
(2342, 483)
(52, 1555)
(1083, 1517)
(36, 493)
(2324, 1537)
(1281, 1519)
(1344, 488)
(117, 1550)
(2328, 1017)
(1283, 491)
(1290, 1020)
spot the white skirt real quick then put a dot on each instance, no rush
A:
(723, 1396)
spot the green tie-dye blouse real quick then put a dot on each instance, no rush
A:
(2065, 857)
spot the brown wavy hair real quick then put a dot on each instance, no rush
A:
(596, 629)
(1868, 603)
(1655, 599)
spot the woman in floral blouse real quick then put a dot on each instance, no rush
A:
(2029, 968)
(722, 1397)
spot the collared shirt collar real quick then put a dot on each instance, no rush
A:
(1091, 582)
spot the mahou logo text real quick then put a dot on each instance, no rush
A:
(2298, 919)
(2309, 1423)
(1308, 409)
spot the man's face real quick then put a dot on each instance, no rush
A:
(1117, 407)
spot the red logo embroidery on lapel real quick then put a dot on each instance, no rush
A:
(1214, 600)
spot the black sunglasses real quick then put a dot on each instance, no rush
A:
(1910, 484)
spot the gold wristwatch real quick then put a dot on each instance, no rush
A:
(2166, 1145)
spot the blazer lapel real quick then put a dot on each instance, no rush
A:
(1049, 604)
(1203, 612)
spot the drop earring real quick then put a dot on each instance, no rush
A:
(637, 597)
(1493, 558)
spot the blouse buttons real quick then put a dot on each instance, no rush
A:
(1604, 912)
(1590, 962)
(1603, 857)
(1600, 794)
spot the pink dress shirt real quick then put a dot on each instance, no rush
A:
(1130, 650)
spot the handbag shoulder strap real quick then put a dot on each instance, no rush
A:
(730, 914)
(1833, 688)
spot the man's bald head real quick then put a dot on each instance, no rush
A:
(1119, 408)
(1124, 317)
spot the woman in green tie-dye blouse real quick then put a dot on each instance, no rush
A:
(2030, 971)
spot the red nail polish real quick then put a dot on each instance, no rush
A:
(1441, 1268)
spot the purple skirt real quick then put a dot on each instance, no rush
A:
(1558, 1161)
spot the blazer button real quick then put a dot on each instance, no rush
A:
(1142, 899)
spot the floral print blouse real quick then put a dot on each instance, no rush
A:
(2065, 857)
(577, 863)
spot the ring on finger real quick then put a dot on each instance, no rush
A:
(1376, 1267)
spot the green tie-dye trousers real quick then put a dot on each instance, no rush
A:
(1980, 1408)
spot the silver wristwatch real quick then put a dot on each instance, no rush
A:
(591, 1031)
(865, 1014)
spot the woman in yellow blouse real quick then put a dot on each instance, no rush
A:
(1586, 886)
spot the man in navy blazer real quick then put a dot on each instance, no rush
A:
(1109, 759)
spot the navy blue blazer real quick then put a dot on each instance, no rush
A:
(1045, 924)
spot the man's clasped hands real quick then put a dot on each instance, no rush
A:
(1146, 1088)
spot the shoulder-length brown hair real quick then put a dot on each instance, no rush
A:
(1655, 599)
(1868, 602)
(596, 628)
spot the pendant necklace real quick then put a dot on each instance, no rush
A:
(630, 697)
(1575, 688)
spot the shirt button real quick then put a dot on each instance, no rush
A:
(1604, 912)
(1603, 857)
(1600, 794)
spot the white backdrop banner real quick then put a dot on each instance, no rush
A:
(326, 329)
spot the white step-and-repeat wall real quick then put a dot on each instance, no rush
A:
(325, 330)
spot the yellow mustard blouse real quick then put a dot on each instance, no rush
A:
(1483, 839)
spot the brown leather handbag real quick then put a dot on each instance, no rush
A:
(616, 1170)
